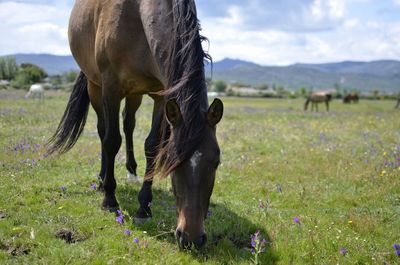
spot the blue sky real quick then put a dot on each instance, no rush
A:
(268, 32)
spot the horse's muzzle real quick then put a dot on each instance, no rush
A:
(184, 243)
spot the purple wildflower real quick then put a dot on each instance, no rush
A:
(296, 220)
(63, 188)
(127, 232)
(261, 204)
(397, 248)
(120, 217)
(93, 186)
(257, 245)
(209, 213)
(136, 240)
(279, 187)
(343, 251)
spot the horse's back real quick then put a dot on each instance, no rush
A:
(36, 88)
(108, 37)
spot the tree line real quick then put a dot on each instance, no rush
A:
(26, 74)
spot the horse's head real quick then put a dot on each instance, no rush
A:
(193, 179)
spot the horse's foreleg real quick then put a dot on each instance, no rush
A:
(111, 142)
(151, 144)
(131, 105)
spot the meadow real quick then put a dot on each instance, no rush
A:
(322, 188)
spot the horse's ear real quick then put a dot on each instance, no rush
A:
(215, 112)
(173, 113)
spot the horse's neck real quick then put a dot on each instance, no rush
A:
(157, 25)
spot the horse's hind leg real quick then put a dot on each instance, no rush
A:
(132, 103)
(96, 101)
(151, 144)
(112, 139)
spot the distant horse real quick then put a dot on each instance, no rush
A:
(36, 91)
(353, 97)
(130, 48)
(316, 98)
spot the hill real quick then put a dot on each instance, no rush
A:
(365, 76)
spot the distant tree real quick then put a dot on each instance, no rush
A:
(28, 74)
(281, 90)
(70, 76)
(208, 82)
(56, 81)
(220, 86)
(8, 68)
(302, 91)
(263, 86)
(338, 89)
(375, 94)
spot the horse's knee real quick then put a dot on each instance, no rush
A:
(112, 143)
(150, 146)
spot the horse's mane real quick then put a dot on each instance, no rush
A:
(186, 85)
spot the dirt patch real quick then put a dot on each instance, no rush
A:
(69, 236)
(19, 251)
(15, 250)
(3, 215)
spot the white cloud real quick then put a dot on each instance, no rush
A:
(353, 40)
(34, 28)
(267, 32)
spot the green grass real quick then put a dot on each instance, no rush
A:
(330, 168)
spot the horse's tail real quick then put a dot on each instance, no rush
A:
(74, 118)
(306, 104)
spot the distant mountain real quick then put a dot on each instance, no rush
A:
(52, 64)
(364, 76)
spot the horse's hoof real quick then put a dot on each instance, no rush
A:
(132, 178)
(110, 204)
(111, 209)
(139, 220)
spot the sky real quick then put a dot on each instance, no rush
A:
(267, 32)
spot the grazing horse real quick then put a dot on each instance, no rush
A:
(129, 48)
(353, 97)
(316, 98)
(36, 91)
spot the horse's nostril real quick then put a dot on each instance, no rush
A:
(201, 241)
(178, 234)
(182, 239)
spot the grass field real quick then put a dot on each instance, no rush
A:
(322, 188)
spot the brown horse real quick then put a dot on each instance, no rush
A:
(128, 48)
(349, 98)
(317, 97)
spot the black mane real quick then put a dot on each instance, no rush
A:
(186, 85)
